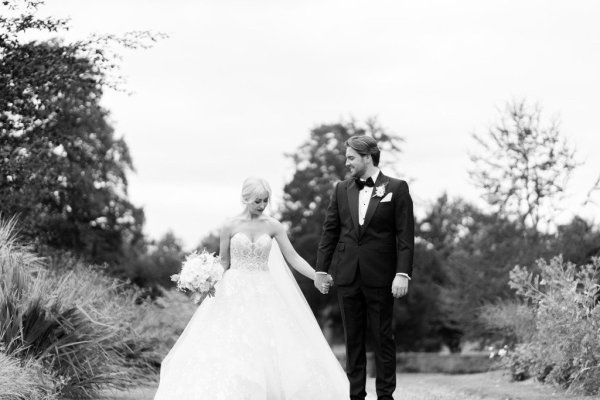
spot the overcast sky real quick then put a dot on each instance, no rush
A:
(240, 83)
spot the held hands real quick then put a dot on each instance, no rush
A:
(323, 282)
(399, 286)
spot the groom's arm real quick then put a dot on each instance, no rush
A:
(405, 230)
(330, 234)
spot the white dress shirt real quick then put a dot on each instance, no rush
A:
(364, 197)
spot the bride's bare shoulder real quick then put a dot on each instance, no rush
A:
(275, 226)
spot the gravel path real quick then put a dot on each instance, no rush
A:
(487, 386)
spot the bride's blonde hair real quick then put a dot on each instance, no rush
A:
(252, 187)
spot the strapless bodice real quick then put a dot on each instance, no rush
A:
(248, 255)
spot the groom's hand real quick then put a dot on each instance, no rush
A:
(323, 282)
(399, 286)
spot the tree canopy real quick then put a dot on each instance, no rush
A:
(64, 171)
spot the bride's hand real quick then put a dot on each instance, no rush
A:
(323, 282)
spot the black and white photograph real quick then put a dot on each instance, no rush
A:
(299, 200)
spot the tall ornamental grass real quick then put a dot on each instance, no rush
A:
(84, 330)
(23, 381)
(556, 326)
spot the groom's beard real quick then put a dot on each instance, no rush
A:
(358, 173)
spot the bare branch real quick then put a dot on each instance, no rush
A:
(523, 166)
(595, 188)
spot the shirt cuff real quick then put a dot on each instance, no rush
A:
(401, 273)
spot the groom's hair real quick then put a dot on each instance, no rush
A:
(364, 145)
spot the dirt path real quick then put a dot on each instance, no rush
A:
(487, 386)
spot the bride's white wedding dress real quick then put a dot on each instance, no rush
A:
(255, 340)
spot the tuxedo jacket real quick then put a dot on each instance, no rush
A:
(385, 244)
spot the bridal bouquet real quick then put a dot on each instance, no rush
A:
(199, 274)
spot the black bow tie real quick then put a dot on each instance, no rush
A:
(361, 184)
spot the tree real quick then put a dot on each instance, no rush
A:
(523, 165)
(419, 320)
(578, 241)
(162, 259)
(476, 250)
(63, 169)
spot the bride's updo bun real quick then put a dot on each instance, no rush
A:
(253, 187)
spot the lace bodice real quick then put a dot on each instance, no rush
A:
(249, 255)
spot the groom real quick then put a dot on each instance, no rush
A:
(367, 247)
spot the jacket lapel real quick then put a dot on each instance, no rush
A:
(374, 202)
(352, 192)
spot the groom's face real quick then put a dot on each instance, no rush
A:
(355, 163)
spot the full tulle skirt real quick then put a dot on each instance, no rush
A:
(244, 344)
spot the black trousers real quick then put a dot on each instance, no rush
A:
(358, 305)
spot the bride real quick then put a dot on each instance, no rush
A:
(256, 339)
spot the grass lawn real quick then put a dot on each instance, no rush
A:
(493, 385)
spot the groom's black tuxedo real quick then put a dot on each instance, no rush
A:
(381, 248)
(363, 261)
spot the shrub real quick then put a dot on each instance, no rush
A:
(562, 342)
(511, 320)
(23, 382)
(83, 328)
(157, 326)
(52, 319)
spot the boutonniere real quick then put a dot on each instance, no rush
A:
(380, 190)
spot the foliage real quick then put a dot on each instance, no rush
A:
(22, 382)
(63, 169)
(210, 242)
(578, 241)
(419, 323)
(160, 260)
(475, 251)
(445, 223)
(563, 344)
(512, 319)
(38, 322)
(79, 324)
(160, 323)
(523, 165)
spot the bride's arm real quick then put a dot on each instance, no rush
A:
(224, 245)
(289, 253)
